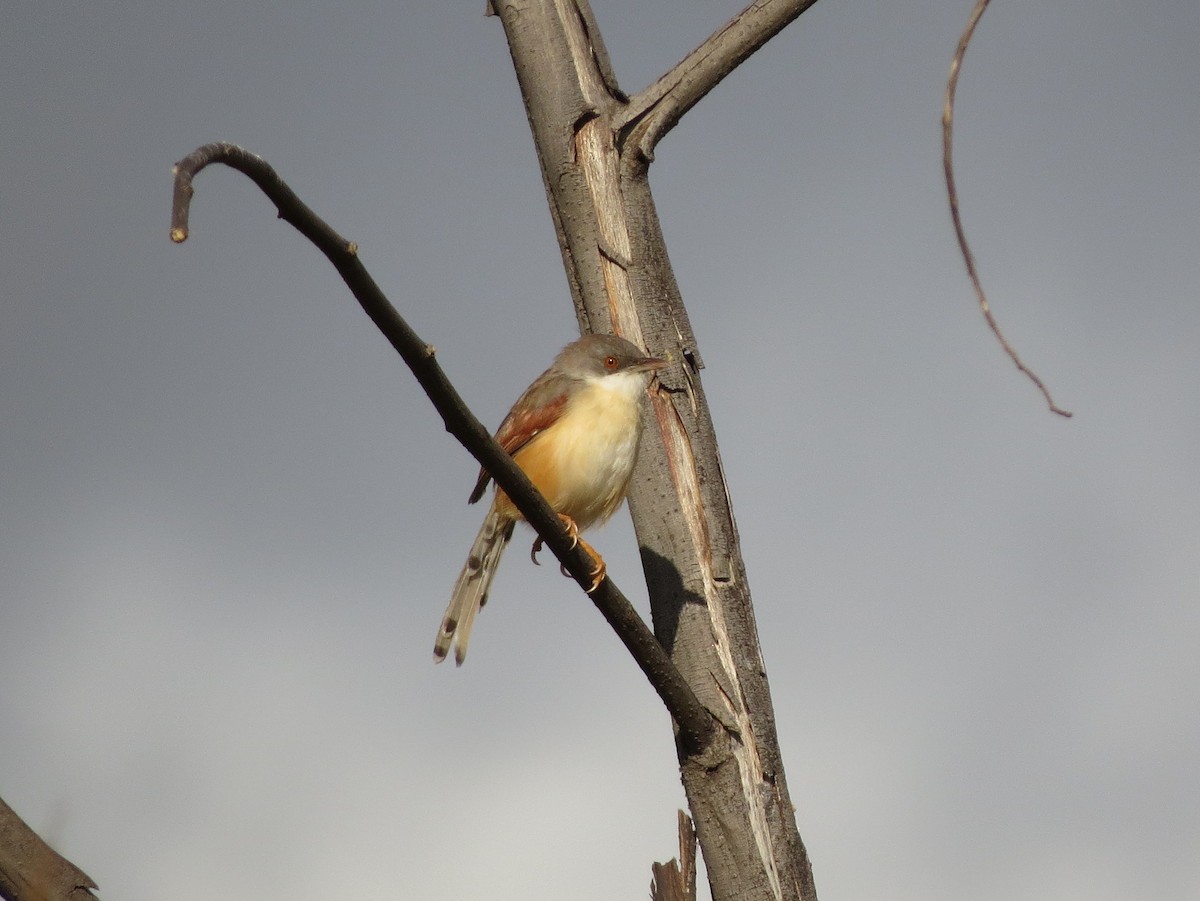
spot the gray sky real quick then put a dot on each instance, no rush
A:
(231, 521)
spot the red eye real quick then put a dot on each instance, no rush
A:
(610, 362)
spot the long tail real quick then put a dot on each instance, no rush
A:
(471, 589)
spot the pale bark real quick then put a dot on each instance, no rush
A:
(30, 870)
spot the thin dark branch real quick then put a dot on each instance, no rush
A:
(695, 722)
(952, 191)
(656, 110)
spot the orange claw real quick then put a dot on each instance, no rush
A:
(600, 570)
(572, 530)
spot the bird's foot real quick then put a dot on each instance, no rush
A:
(572, 530)
(599, 571)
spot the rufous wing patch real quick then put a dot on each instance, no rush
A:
(524, 421)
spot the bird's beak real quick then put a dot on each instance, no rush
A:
(648, 364)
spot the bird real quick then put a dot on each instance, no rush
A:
(575, 433)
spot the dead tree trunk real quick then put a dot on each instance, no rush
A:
(595, 145)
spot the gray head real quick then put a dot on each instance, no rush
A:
(601, 355)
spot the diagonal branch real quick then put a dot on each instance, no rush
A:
(695, 722)
(952, 192)
(656, 110)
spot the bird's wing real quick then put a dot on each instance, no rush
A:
(540, 407)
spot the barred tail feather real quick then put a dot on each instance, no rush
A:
(471, 590)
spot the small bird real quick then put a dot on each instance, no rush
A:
(575, 432)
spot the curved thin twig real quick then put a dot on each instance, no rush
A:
(695, 722)
(952, 191)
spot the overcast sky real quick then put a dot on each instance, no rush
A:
(230, 521)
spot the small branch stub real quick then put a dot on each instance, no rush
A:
(676, 880)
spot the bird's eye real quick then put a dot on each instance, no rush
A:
(610, 362)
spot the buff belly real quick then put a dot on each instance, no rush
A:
(582, 464)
